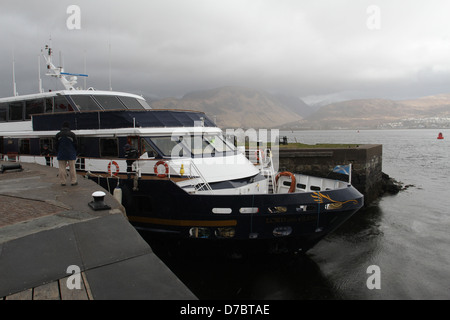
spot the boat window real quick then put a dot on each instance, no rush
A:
(24, 146)
(167, 146)
(62, 105)
(131, 103)
(3, 112)
(219, 143)
(333, 206)
(144, 104)
(84, 103)
(147, 148)
(109, 102)
(33, 107)
(198, 145)
(199, 232)
(221, 210)
(282, 231)
(249, 210)
(48, 142)
(109, 147)
(192, 145)
(206, 144)
(225, 232)
(280, 209)
(301, 186)
(15, 111)
(49, 105)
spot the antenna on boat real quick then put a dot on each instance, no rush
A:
(39, 75)
(14, 75)
(58, 72)
(110, 84)
(84, 79)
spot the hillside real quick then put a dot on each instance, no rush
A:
(237, 107)
(426, 112)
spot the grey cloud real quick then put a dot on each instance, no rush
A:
(171, 47)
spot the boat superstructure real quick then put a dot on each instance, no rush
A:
(188, 181)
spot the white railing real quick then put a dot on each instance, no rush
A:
(196, 179)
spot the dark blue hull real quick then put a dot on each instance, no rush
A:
(290, 221)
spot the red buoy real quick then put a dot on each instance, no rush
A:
(440, 136)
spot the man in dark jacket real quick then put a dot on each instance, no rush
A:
(48, 153)
(66, 148)
(131, 154)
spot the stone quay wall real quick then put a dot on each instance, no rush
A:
(366, 160)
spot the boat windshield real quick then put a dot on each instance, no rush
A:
(108, 102)
(193, 145)
(85, 103)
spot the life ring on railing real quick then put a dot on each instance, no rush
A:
(155, 168)
(109, 168)
(287, 174)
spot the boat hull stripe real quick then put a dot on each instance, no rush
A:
(184, 223)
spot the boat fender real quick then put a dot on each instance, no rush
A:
(287, 174)
(118, 194)
(166, 172)
(109, 168)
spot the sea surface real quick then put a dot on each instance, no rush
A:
(405, 236)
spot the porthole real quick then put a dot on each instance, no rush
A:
(249, 210)
(279, 209)
(199, 232)
(226, 232)
(282, 231)
(221, 210)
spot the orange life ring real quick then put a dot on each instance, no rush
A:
(287, 174)
(109, 168)
(161, 175)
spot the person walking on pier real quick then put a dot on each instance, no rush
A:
(66, 148)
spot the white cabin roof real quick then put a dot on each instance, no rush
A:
(69, 92)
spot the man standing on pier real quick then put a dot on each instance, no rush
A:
(131, 154)
(66, 148)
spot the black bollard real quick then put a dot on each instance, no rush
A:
(13, 166)
(99, 203)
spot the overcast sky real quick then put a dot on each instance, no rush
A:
(311, 49)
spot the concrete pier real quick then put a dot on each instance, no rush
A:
(54, 246)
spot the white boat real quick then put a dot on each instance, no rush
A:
(189, 182)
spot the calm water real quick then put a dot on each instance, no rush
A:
(406, 235)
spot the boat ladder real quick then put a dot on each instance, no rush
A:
(269, 172)
(195, 175)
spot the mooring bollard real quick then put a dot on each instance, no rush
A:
(99, 201)
(13, 166)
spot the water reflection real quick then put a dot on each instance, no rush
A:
(280, 277)
(345, 255)
(362, 226)
(274, 277)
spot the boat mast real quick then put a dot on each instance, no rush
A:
(14, 76)
(58, 72)
(39, 75)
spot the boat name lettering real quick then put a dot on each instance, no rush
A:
(290, 219)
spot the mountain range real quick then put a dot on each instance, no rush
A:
(238, 107)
